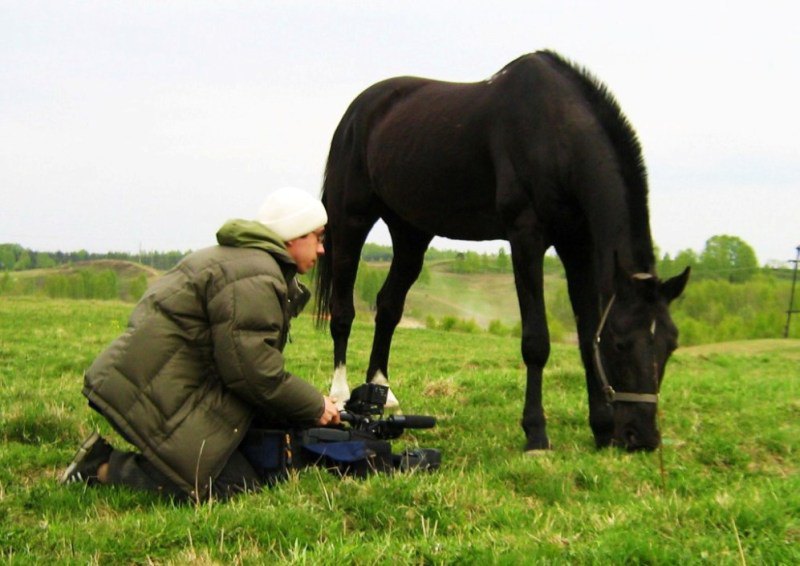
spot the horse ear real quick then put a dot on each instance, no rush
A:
(672, 288)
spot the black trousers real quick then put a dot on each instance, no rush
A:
(133, 470)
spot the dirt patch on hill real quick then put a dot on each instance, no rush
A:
(786, 347)
(406, 322)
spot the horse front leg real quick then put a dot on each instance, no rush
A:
(409, 247)
(527, 252)
(583, 296)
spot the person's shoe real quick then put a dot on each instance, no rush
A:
(93, 453)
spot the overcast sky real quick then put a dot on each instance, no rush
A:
(128, 125)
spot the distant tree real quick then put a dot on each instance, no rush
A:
(433, 254)
(8, 256)
(375, 252)
(503, 262)
(669, 267)
(469, 262)
(43, 260)
(23, 262)
(686, 258)
(730, 257)
(166, 260)
(553, 265)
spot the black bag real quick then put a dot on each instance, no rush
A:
(270, 452)
(273, 452)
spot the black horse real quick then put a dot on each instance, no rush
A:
(539, 155)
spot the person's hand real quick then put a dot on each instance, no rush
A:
(330, 414)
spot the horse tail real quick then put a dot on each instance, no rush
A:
(333, 184)
(323, 270)
(346, 170)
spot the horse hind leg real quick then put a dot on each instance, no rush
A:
(409, 245)
(347, 242)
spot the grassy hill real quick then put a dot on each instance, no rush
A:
(725, 489)
(482, 297)
(479, 297)
(710, 310)
(125, 270)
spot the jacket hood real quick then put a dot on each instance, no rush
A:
(251, 234)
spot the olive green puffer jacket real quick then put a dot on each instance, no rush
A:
(202, 355)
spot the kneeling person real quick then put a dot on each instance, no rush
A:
(202, 356)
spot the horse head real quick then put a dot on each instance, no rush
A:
(634, 340)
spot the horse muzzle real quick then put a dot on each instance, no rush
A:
(635, 441)
(636, 427)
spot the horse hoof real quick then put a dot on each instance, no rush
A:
(391, 400)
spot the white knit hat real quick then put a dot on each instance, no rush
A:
(291, 213)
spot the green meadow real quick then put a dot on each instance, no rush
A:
(724, 488)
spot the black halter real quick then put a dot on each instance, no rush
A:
(611, 395)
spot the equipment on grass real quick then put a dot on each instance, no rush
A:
(358, 447)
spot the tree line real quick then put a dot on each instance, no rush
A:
(723, 257)
(729, 296)
(13, 257)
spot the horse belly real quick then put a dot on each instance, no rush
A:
(444, 209)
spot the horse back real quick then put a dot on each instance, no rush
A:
(430, 150)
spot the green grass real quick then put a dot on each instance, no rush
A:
(729, 492)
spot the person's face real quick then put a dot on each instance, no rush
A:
(306, 249)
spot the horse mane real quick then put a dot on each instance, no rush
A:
(627, 148)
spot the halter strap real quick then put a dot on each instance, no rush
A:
(611, 395)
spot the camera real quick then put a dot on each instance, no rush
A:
(368, 401)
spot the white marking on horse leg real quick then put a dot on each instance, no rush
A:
(391, 400)
(340, 391)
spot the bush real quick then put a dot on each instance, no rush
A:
(497, 328)
(137, 288)
(84, 284)
(452, 324)
(5, 282)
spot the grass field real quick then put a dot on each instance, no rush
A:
(729, 491)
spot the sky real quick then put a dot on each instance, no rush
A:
(144, 125)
